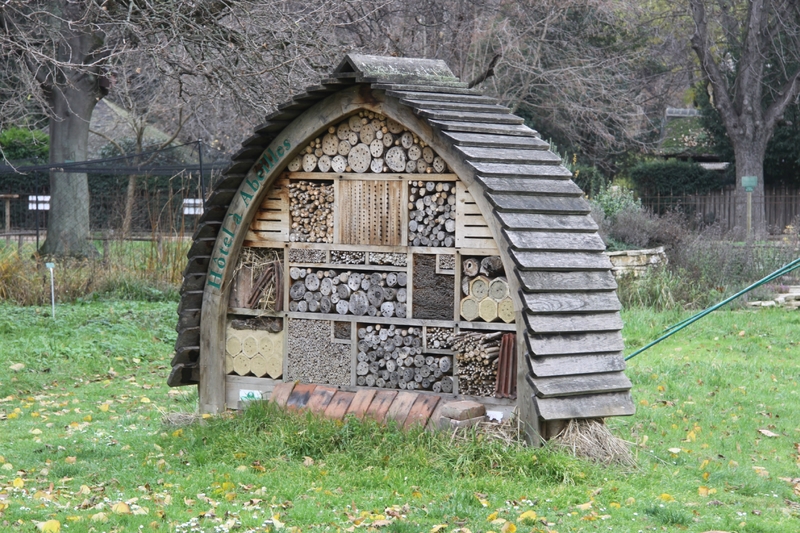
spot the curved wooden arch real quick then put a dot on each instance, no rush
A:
(567, 314)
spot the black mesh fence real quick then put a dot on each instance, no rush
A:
(137, 197)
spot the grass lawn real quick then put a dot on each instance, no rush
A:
(83, 446)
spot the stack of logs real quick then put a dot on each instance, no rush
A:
(392, 357)
(486, 293)
(346, 292)
(311, 207)
(438, 338)
(432, 216)
(477, 355)
(368, 142)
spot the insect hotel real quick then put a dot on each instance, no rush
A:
(395, 244)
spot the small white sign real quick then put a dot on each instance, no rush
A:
(192, 206)
(249, 395)
(497, 416)
(39, 203)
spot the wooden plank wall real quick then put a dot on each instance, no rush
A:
(472, 231)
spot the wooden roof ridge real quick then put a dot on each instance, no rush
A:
(570, 307)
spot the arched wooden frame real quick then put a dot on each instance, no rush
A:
(242, 209)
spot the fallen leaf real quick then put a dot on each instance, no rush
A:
(667, 497)
(104, 407)
(761, 471)
(121, 508)
(438, 527)
(18, 483)
(491, 517)
(380, 523)
(144, 399)
(35, 431)
(674, 450)
(16, 367)
(508, 527)
(527, 518)
(584, 506)
(768, 433)
(614, 505)
(51, 526)
(308, 461)
(71, 460)
(99, 517)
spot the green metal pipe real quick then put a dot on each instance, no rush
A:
(680, 325)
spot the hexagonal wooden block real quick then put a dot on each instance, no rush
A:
(469, 308)
(505, 310)
(487, 309)
(498, 289)
(479, 287)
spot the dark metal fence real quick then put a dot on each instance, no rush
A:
(782, 207)
(167, 196)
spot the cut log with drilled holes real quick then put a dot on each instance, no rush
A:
(477, 356)
(257, 352)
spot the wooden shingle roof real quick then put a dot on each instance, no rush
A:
(543, 229)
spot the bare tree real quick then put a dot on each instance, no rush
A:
(749, 54)
(62, 50)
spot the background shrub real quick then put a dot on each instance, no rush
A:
(673, 178)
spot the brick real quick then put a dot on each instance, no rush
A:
(401, 407)
(300, 396)
(281, 392)
(436, 416)
(380, 405)
(463, 410)
(421, 410)
(360, 404)
(339, 405)
(320, 399)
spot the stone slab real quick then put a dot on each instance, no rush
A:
(463, 410)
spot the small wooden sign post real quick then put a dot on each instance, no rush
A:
(749, 183)
(50, 267)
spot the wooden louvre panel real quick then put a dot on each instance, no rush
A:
(472, 231)
(370, 212)
(271, 223)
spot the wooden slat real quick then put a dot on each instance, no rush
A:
(477, 127)
(538, 281)
(472, 231)
(574, 343)
(589, 302)
(573, 323)
(561, 261)
(520, 170)
(561, 241)
(456, 106)
(271, 221)
(575, 385)
(588, 406)
(541, 204)
(466, 116)
(407, 92)
(514, 155)
(570, 365)
(547, 221)
(500, 141)
(370, 212)
(536, 186)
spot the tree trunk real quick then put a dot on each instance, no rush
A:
(68, 223)
(749, 157)
(130, 198)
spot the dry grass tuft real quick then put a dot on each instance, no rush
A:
(591, 439)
